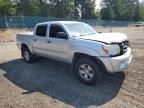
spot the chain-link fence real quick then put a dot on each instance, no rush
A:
(31, 21)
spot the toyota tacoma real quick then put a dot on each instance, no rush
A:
(90, 53)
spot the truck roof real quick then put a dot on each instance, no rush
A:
(60, 22)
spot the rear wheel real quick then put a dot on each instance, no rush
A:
(88, 71)
(28, 56)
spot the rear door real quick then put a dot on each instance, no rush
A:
(40, 40)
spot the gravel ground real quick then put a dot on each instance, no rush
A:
(47, 83)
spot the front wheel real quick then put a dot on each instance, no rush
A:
(88, 71)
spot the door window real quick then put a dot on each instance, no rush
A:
(41, 30)
(54, 29)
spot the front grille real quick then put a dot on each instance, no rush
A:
(123, 46)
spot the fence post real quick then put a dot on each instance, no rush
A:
(6, 21)
(22, 21)
(110, 28)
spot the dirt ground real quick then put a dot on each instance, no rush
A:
(49, 84)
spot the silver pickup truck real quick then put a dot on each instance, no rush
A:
(89, 53)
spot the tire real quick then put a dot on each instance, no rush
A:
(27, 55)
(88, 71)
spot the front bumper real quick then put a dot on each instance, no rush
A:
(117, 64)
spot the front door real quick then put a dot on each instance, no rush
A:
(59, 47)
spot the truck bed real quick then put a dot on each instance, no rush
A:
(25, 33)
(25, 37)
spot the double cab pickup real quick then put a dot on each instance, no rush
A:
(90, 53)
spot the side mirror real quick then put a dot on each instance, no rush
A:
(61, 35)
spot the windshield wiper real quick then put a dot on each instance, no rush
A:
(87, 34)
(91, 33)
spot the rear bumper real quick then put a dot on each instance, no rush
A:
(117, 64)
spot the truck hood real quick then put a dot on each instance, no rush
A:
(105, 37)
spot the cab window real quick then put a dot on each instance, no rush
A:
(41, 30)
(54, 29)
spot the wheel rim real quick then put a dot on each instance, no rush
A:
(26, 55)
(86, 72)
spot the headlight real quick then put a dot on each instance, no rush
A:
(111, 50)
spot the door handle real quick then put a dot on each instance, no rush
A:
(35, 39)
(48, 41)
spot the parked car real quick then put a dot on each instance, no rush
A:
(138, 24)
(90, 53)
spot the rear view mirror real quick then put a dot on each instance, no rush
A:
(61, 35)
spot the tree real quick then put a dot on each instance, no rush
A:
(27, 7)
(87, 7)
(108, 13)
(62, 8)
(7, 8)
(141, 14)
(121, 9)
(137, 11)
(54, 8)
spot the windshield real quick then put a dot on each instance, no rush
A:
(80, 29)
